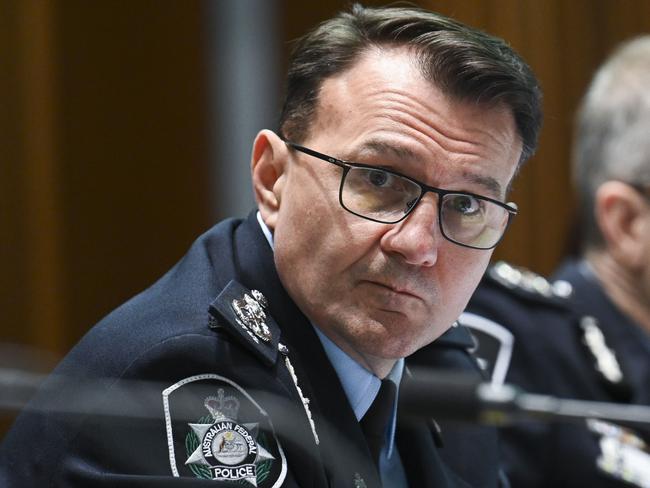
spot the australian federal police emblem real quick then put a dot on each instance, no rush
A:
(227, 449)
(217, 445)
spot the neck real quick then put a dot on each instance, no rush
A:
(624, 286)
(378, 366)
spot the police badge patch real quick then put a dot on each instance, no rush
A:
(209, 438)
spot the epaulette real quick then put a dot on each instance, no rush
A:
(242, 313)
(493, 345)
(529, 285)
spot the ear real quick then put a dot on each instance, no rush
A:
(268, 172)
(622, 215)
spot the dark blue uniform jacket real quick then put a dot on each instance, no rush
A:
(182, 386)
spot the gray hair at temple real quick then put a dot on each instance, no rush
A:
(464, 63)
(612, 140)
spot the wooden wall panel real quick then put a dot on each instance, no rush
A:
(14, 286)
(31, 322)
(31, 278)
(103, 162)
(40, 176)
(133, 147)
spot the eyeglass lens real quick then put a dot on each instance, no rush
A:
(386, 197)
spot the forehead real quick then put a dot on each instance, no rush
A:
(383, 100)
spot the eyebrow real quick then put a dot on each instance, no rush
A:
(486, 182)
(378, 147)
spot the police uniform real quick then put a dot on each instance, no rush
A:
(213, 377)
(567, 340)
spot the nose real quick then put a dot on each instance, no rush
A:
(417, 238)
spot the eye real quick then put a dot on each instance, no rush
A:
(378, 178)
(465, 204)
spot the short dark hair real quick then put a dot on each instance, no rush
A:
(463, 62)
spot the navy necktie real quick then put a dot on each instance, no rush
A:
(375, 421)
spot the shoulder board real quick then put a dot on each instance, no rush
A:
(242, 312)
(494, 345)
(527, 284)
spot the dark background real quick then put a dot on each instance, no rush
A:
(107, 136)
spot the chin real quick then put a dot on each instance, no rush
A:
(403, 345)
(393, 346)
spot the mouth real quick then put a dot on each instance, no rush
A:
(397, 289)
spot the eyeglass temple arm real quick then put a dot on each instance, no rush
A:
(315, 154)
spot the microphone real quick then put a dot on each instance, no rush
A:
(466, 398)
(425, 392)
(17, 387)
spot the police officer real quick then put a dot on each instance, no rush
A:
(272, 353)
(586, 332)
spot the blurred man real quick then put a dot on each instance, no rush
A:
(272, 353)
(586, 334)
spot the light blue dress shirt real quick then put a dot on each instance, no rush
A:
(361, 388)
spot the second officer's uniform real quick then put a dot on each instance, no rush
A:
(567, 339)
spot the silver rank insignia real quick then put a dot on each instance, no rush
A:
(359, 481)
(604, 357)
(250, 314)
(624, 455)
(224, 449)
(518, 277)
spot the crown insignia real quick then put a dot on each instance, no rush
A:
(222, 406)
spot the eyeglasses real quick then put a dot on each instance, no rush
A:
(388, 197)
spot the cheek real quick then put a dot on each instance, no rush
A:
(319, 254)
(321, 245)
(463, 272)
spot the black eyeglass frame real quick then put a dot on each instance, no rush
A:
(424, 189)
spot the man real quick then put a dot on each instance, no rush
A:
(587, 334)
(254, 359)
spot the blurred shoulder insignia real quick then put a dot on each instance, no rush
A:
(207, 440)
(359, 481)
(623, 454)
(604, 357)
(493, 345)
(245, 312)
(516, 277)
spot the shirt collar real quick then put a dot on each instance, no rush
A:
(265, 230)
(361, 386)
